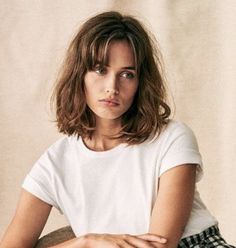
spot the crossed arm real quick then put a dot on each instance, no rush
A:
(173, 204)
(169, 217)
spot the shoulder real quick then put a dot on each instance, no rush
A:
(176, 138)
(177, 127)
(179, 146)
(58, 153)
(63, 144)
(179, 135)
(174, 130)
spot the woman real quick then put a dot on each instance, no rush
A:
(124, 174)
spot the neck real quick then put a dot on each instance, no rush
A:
(101, 139)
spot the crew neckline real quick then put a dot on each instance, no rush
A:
(110, 152)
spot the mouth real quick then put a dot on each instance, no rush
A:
(109, 102)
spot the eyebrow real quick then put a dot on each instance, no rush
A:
(129, 68)
(125, 67)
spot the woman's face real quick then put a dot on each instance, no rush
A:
(110, 89)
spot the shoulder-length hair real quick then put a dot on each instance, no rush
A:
(149, 112)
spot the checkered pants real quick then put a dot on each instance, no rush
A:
(209, 238)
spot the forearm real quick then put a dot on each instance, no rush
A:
(173, 236)
(78, 242)
(169, 244)
(106, 240)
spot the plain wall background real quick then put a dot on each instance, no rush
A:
(197, 40)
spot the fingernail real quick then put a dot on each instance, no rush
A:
(163, 240)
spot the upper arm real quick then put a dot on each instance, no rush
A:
(28, 222)
(174, 203)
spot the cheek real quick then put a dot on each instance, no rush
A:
(92, 92)
(131, 91)
(91, 86)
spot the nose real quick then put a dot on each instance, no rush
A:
(112, 86)
(112, 91)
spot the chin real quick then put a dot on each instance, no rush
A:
(109, 116)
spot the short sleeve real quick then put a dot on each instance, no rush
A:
(180, 147)
(41, 180)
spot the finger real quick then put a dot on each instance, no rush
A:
(157, 244)
(153, 237)
(125, 244)
(138, 242)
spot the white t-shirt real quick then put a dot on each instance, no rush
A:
(114, 191)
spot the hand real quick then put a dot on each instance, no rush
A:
(92, 240)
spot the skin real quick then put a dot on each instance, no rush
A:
(117, 83)
(173, 205)
(110, 91)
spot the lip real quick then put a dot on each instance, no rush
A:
(109, 102)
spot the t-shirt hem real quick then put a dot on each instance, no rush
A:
(194, 232)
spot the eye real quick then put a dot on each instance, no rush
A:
(128, 75)
(100, 70)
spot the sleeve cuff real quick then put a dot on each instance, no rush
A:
(180, 158)
(33, 187)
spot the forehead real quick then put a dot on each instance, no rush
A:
(120, 53)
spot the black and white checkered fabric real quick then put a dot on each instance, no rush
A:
(209, 238)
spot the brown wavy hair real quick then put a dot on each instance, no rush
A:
(149, 112)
